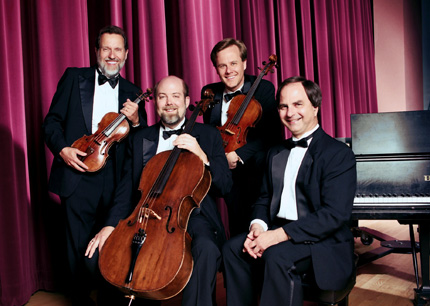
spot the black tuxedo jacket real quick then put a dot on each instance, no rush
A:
(69, 118)
(268, 130)
(143, 146)
(325, 190)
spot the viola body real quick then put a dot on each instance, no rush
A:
(235, 129)
(98, 144)
(164, 263)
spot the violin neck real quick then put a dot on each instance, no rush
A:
(248, 98)
(115, 123)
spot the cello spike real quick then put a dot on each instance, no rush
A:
(131, 297)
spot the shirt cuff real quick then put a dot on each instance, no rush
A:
(135, 125)
(261, 222)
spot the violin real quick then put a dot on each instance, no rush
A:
(243, 113)
(148, 254)
(112, 128)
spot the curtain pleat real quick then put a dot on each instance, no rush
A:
(329, 41)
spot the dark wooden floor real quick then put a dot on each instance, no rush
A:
(387, 281)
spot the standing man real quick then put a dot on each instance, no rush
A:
(247, 163)
(205, 226)
(83, 97)
(300, 219)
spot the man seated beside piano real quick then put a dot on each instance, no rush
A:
(301, 219)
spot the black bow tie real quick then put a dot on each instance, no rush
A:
(230, 96)
(167, 134)
(112, 81)
(299, 143)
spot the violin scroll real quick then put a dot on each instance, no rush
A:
(269, 66)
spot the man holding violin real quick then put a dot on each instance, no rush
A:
(83, 97)
(246, 163)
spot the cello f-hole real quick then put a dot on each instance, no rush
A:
(170, 231)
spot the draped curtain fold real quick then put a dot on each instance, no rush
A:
(329, 41)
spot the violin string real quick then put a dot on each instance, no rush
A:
(238, 115)
(119, 118)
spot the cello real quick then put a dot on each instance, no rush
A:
(112, 128)
(244, 112)
(148, 254)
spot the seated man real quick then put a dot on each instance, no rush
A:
(300, 219)
(205, 226)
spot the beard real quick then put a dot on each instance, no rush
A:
(105, 70)
(172, 119)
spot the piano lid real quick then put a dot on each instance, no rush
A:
(391, 133)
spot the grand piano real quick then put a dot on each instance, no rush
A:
(393, 177)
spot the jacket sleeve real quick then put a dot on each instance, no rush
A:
(54, 123)
(218, 165)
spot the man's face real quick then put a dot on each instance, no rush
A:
(296, 111)
(171, 104)
(112, 54)
(230, 68)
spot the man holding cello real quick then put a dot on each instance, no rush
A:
(83, 97)
(204, 225)
(247, 162)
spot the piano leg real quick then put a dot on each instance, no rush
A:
(422, 294)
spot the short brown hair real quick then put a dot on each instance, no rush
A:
(312, 89)
(225, 43)
(111, 29)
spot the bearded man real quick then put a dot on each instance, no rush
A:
(83, 97)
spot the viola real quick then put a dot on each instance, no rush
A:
(243, 113)
(148, 254)
(112, 128)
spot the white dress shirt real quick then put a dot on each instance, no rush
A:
(105, 101)
(167, 144)
(226, 105)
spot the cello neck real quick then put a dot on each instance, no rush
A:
(162, 179)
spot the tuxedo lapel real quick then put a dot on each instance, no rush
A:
(304, 176)
(279, 163)
(124, 92)
(149, 144)
(215, 118)
(86, 87)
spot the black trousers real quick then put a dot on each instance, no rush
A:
(207, 261)
(277, 273)
(84, 213)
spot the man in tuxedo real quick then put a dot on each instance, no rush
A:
(300, 219)
(205, 226)
(83, 97)
(246, 163)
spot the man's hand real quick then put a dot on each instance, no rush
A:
(258, 241)
(250, 244)
(232, 159)
(188, 142)
(130, 110)
(70, 157)
(98, 241)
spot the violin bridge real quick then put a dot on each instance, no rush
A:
(229, 131)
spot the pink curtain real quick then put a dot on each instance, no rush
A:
(329, 41)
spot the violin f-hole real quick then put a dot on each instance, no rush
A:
(170, 231)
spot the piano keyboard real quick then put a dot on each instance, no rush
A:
(391, 200)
